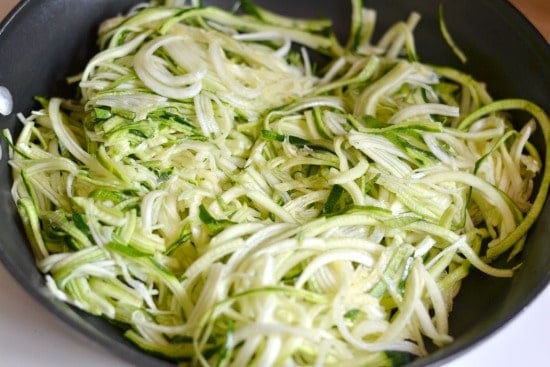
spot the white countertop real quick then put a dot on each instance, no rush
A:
(32, 336)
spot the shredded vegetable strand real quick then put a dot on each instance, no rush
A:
(232, 203)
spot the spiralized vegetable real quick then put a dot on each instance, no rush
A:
(233, 203)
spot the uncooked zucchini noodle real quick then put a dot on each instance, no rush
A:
(230, 202)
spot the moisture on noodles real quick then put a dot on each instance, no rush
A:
(227, 201)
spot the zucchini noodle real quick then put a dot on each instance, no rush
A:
(232, 203)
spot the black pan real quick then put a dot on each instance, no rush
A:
(43, 41)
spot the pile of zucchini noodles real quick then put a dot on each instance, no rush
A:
(229, 202)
